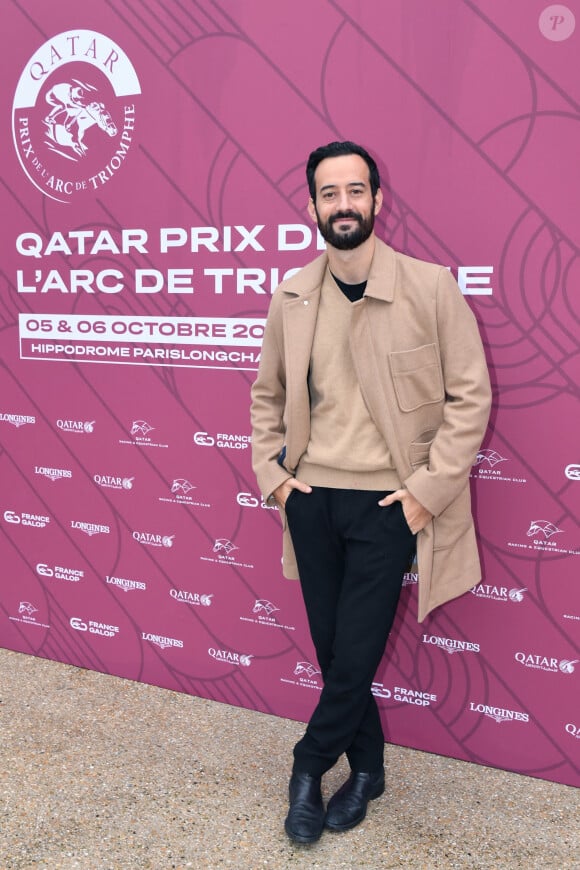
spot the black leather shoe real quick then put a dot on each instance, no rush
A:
(348, 806)
(305, 819)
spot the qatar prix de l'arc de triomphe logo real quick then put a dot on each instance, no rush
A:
(73, 116)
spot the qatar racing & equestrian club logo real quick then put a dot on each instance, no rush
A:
(74, 113)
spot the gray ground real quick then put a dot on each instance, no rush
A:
(98, 772)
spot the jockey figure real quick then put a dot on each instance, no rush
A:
(67, 97)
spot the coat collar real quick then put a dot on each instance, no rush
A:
(381, 280)
(380, 284)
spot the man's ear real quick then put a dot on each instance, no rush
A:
(378, 201)
(312, 210)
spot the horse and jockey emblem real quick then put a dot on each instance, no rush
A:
(74, 114)
(74, 111)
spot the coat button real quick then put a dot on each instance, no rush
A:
(306, 301)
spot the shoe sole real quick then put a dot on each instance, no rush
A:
(359, 819)
(303, 841)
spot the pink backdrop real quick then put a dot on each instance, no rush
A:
(152, 195)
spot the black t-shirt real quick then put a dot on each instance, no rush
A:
(354, 292)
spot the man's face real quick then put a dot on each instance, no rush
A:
(344, 208)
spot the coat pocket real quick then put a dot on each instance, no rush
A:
(417, 377)
(419, 449)
(454, 522)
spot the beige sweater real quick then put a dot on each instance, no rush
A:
(345, 450)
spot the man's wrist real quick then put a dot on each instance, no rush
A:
(271, 499)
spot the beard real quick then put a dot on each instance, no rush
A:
(350, 240)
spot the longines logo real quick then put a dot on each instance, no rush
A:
(73, 119)
(498, 714)
(223, 440)
(487, 464)
(161, 641)
(58, 572)
(572, 472)
(125, 584)
(450, 645)
(498, 593)
(79, 427)
(53, 473)
(37, 521)
(90, 529)
(546, 663)
(17, 420)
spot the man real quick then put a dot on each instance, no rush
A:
(369, 407)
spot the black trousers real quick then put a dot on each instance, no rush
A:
(351, 555)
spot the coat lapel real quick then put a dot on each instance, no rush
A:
(300, 313)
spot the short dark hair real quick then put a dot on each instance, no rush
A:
(340, 149)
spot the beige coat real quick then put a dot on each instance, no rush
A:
(422, 371)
